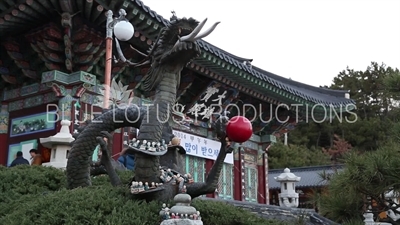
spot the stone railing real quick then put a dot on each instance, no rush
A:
(308, 216)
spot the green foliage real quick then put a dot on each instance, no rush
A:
(374, 91)
(282, 156)
(25, 180)
(217, 214)
(341, 202)
(369, 174)
(37, 195)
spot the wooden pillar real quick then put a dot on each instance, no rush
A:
(238, 173)
(242, 171)
(265, 156)
(209, 164)
(74, 109)
(4, 120)
(261, 194)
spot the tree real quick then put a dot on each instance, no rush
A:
(282, 156)
(376, 94)
(339, 148)
(367, 175)
(367, 88)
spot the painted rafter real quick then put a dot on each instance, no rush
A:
(24, 57)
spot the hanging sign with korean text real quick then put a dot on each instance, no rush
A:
(201, 147)
(213, 100)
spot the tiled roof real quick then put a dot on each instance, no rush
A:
(261, 80)
(310, 93)
(310, 176)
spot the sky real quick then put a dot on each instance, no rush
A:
(310, 41)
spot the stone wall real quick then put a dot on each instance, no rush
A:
(307, 216)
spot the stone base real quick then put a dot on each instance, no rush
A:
(181, 222)
(59, 165)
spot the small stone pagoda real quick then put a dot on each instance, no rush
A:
(59, 145)
(288, 196)
(182, 213)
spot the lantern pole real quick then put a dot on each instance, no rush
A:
(122, 31)
(107, 70)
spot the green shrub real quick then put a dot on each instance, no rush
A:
(37, 195)
(220, 213)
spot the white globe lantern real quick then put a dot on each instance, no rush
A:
(123, 30)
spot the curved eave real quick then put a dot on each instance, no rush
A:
(231, 66)
(296, 92)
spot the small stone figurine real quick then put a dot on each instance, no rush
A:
(174, 179)
(167, 216)
(148, 146)
(140, 187)
(169, 173)
(190, 178)
(183, 189)
(162, 211)
(134, 188)
(144, 145)
(158, 146)
(167, 208)
(152, 147)
(162, 147)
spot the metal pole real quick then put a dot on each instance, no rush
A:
(107, 71)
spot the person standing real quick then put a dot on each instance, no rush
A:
(19, 160)
(36, 158)
(127, 160)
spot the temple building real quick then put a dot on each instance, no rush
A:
(52, 59)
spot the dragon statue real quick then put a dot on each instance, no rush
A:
(157, 161)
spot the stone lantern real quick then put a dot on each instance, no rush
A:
(288, 196)
(59, 145)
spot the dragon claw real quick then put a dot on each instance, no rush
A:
(231, 146)
(106, 134)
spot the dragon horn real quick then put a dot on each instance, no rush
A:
(207, 32)
(193, 34)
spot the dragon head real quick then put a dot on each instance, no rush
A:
(178, 40)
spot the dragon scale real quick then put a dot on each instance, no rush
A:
(79, 158)
(152, 127)
(174, 48)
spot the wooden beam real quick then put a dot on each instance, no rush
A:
(38, 9)
(88, 8)
(97, 11)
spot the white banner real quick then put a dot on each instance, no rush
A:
(201, 147)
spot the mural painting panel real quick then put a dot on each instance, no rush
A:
(33, 124)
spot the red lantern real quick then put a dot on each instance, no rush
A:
(239, 129)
